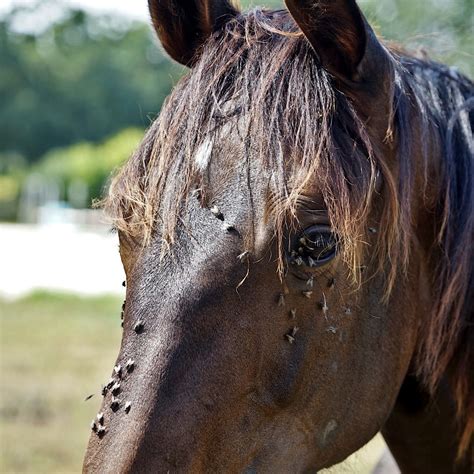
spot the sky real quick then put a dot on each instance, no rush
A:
(136, 9)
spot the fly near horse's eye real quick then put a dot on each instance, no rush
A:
(317, 245)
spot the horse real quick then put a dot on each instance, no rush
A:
(296, 232)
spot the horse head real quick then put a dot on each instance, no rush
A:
(276, 248)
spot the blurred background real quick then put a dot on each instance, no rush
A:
(80, 81)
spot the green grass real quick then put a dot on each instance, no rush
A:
(54, 351)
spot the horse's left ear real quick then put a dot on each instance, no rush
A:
(184, 25)
(342, 39)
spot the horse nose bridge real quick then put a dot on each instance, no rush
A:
(174, 404)
(188, 377)
(183, 420)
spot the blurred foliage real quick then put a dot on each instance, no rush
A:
(443, 28)
(69, 79)
(13, 170)
(79, 171)
(88, 163)
(81, 78)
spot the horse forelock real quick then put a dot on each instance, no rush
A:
(298, 126)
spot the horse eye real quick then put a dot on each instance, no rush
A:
(316, 246)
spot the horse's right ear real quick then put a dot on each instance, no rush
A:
(184, 25)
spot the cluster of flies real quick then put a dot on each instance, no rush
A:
(114, 385)
(322, 305)
(297, 259)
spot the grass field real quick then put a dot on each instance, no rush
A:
(55, 350)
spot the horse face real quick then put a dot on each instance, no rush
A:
(235, 368)
(238, 369)
(238, 366)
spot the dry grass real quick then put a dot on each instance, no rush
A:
(55, 350)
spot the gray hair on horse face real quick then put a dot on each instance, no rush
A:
(203, 155)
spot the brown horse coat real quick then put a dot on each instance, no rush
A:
(296, 230)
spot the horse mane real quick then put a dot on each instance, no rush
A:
(446, 99)
(299, 126)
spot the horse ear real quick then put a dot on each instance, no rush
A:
(184, 25)
(341, 37)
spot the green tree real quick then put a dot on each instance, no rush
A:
(82, 78)
(88, 164)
